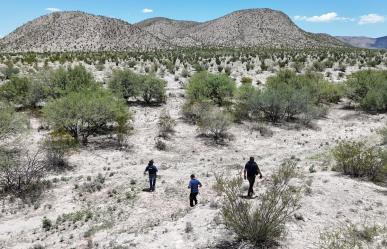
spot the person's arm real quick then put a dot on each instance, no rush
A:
(189, 184)
(146, 169)
(244, 172)
(200, 184)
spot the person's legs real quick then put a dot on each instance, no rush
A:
(152, 182)
(195, 199)
(191, 199)
(251, 186)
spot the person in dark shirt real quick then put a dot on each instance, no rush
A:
(152, 171)
(250, 172)
(194, 185)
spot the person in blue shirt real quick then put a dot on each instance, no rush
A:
(152, 171)
(194, 185)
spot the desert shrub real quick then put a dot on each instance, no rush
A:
(160, 145)
(166, 124)
(184, 73)
(205, 86)
(245, 100)
(126, 83)
(9, 71)
(350, 236)
(383, 133)
(358, 160)
(46, 224)
(262, 224)
(246, 80)
(15, 90)
(87, 112)
(215, 123)
(94, 185)
(153, 90)
(72, 79)
(193, 110)
(369, 89)
(21, 171)
(55, 146)
(11, 122)
(288, 96)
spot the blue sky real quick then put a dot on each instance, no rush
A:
(336, 17)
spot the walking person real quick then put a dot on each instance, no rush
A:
(194, 185)
(152, 171)
(250, 172)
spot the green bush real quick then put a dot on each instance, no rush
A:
(350, 236)
(246, 80)
(205, 86)
(215, 123)
(16, 90)
(128, 84)
(358, 160)
(193, 110)
(166, 124)
(87, 112)
(72, 79)
(46, 224)
(153, 90)
(11, 122)
(288, 96)
(10, 71)
(263, 223)
(369, 89)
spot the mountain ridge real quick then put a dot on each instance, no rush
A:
(365, 42)
(80, 31)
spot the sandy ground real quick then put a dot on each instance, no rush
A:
(125, 215)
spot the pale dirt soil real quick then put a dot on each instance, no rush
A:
(158, 220)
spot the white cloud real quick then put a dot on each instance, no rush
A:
(146, 11)
(53, 9)
(371, 19)
(328, 17)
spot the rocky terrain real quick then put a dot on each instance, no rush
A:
(121, 214)
(365, 42)
(78, 31)
(245, 28)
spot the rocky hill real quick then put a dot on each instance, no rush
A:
(365, 42)
(245, 28)
(78, 31)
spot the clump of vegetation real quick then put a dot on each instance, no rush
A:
(205, 86)
(288, 96)
(359, 160)
(21, 172)
(166, 124)
(94, 185)
(128, 84)
(369, 90)
(87, 112)
(11, 122)
(264, 223)
(215, 123)
(350, 236)
(46, 224)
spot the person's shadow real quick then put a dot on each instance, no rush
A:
(146, 190)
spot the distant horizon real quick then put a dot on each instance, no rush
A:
(321, 16)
